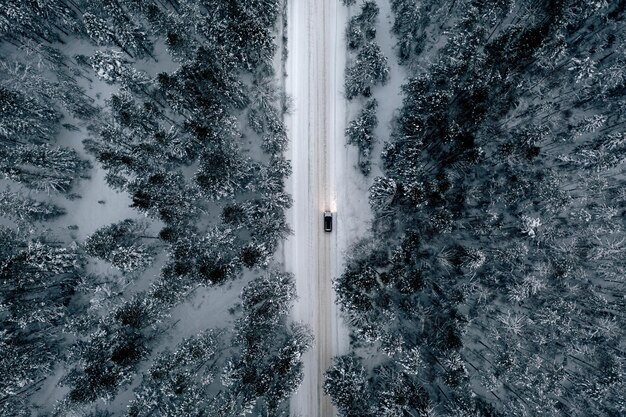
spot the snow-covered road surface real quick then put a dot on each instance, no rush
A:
(318, 155)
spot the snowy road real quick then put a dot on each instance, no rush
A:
(315, 71)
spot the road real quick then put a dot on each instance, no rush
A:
(314, 76)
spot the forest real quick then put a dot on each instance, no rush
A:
(143, 174)
(492, 279)
(177, 103)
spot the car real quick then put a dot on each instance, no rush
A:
(328, 221)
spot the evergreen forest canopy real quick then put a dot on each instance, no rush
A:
(493, 280)
(206, 137)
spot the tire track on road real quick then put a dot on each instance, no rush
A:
(311, 254)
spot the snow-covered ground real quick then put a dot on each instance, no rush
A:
(99, 205)
(389, 96)
(323, 179)
(325, 176)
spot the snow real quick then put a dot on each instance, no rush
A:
(389, 97)
(326, 176)
(50, 392)
(204, 308)
(99, 205)
(323, 178)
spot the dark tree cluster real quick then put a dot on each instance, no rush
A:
(180, 382)
(253, 374)
(362, 27)
(22, 208)
(42, 167)
(122, 244)
(175, 144)
(39, 269)
(360, 132)
(108, 351)
(493, 281)
(37, 283)
(267, 368)
(370, 66)
(388, 391)
(369, 69)
(180, 144)
(158, 128)
(30, 115)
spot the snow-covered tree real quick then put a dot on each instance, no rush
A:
(210, 259)
(354, 33)
(583, 69)
(270, 365)
(178, 383)
(369, 69)
(164, 195)
(23, 119)
(223, 172)
(42, 21)
(204, 83)
(362, 27)
(122, 244)
(266, 218)
(37, 281)
(367, 18)
(410, 19)
(360, 132)
(515, 221)
(42, 167)
(267, 299)
(17, 206)
(112, 67)
(346, 383)
(354, 289)
(99, 30)
(397, 394)
(111, 25)
(106, 355)
(275, 139)
(381, 193)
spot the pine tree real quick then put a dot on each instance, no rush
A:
(110, 66)
(25, 120)
(360, 132)
(42, 167)
(396, 394)
(270, 366)
(122, 245)
(370, 68)
(381, 194)
(37, 282)
(223, 172)
(178, 383)
(17, 206)
(346, 383)
(99, 30)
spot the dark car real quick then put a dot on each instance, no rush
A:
(328, 221)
